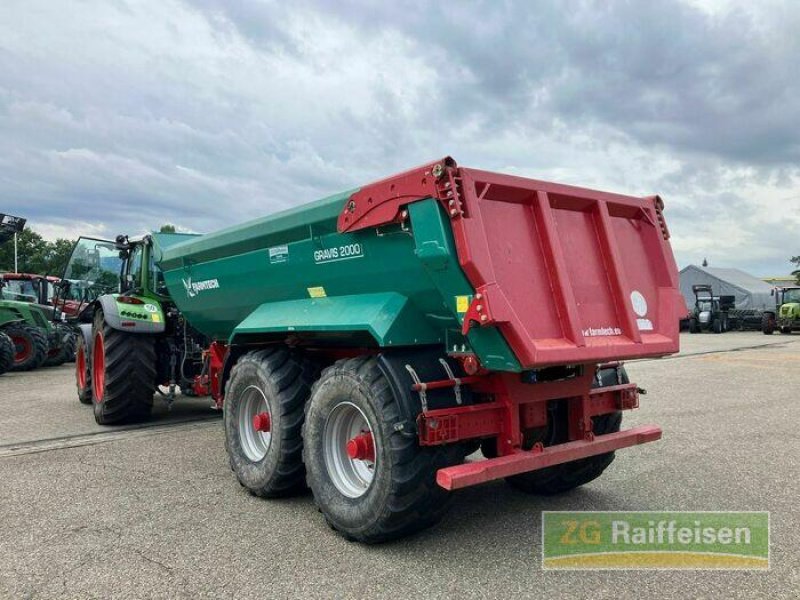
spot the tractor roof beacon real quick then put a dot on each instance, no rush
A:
(367, 342)
(133, 339)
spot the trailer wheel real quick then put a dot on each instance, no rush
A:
(371, 482)
(83, 374)
(6, 353)
(30, 346)
(767, 324)
(123, 374)
(263, 416)
(567, 476)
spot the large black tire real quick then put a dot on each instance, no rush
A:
(30, 346)
(83, 372)
(716, 326)
(124, 382)
(567, 476)
(402, 496)
(6, 353)
(693, 326)
(60, 350)
(71, 344)
(767, 324)
(278, 381)
(786, 330)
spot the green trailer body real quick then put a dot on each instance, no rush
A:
(392, 288)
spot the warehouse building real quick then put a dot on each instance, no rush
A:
(751, 293)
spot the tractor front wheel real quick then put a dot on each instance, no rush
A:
(30, 346)
(123, 374)
(6, 353)
(263, 416)
(371, 482)
(693, 326)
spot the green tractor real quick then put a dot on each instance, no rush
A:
(786, 317)
(30, 332)
(39, 290)
(710, 312)
(133, 339)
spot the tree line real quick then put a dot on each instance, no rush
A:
(35, 254)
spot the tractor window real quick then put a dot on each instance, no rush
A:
(21, 290)
(157, 278)
(792, 295)
(134, 276)
(93, 269)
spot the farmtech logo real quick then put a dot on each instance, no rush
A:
(655, 540)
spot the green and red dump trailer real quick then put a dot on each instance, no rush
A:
(364, 344)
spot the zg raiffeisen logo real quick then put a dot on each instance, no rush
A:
(655, 540)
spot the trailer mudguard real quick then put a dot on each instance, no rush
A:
(388, 318)
(147, 317)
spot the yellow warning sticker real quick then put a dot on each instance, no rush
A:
(462, 304)
(317, 292)
(156, 318)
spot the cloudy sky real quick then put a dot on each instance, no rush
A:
(123, 115)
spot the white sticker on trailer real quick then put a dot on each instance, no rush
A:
(639, 304)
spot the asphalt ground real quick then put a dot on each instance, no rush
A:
(154, 511)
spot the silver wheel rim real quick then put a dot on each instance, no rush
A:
(255, 444)
(352, 477)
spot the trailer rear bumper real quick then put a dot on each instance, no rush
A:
(474, 473)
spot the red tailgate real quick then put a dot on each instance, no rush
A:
(569, 275)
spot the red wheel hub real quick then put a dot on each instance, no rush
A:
(99, 367)
(262, 422)
(22, 348)
(362, 447)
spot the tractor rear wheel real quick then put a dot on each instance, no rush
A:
(6, 353)
(30, 346)
(263, 416)
(371, 482)
(693, 326)
(83, 373)
(567, 476)
(123, 374)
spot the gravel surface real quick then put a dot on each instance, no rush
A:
(154, 512)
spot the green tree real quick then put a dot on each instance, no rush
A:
(35, 254)
(167, 228)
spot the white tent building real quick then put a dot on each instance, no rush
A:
(750, 292)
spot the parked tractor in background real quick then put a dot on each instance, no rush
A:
(786, 317)
(710, 313)
(40, 290)
(133, 340)
(37, 341)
